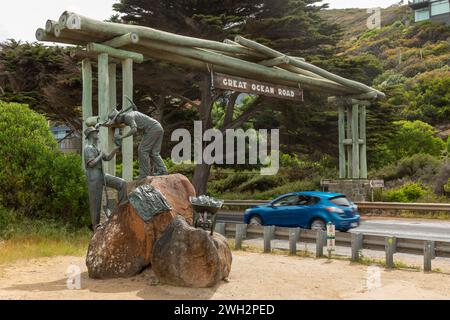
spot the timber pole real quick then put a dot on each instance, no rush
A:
(249, 67)
(363, 137)
(355, 141)
(349, 146)
(86, 67)
(116, 53)
(81, 23)
(341, 124)
(122, 41)
(112, 70)
(307, 66)
(127, 145)
(103, 99)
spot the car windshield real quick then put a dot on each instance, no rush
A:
(341, 201)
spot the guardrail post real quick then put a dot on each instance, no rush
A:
(321, 240)
(240, 232)
(294, 235)
(220, 228)
(357, 245)
(428, 255)
(390, 247)
(268, 236)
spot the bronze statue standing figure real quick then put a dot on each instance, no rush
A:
(96, 177)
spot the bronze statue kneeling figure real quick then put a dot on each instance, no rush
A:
(150, 148)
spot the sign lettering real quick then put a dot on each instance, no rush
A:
(227, 82)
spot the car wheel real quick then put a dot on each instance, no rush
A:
(318, 224)
(255, 221)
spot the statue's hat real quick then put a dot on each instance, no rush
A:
(113, 116)
(88, 131)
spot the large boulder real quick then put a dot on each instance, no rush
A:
(189, 257)
(124, 246)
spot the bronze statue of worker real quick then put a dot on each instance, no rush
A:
(97, 179)
(150, 148)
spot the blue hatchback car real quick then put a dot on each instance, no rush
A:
(307, 210)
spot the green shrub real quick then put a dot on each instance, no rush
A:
(184, 169)
(295, 186)
(69, 190)
(230, 183)
(294, 169)
(36, 180)
(260, 183)
(413, 137)
(409, 192)
(7, 217)
(119, 168)
(448, 146)
(447, 186)
(423, 167)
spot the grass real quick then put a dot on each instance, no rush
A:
(397, 264)
(27, 240)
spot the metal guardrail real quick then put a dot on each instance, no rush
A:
(357, 241)
(405, 206)
(364, 205)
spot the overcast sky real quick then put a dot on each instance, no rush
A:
(19, 19)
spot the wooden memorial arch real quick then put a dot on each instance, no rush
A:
(241, 65)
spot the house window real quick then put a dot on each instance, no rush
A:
(422, 14)
(440, 7)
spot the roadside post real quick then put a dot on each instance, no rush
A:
(331, 239)
(269, 233)
(428, 255)
(357, 245)
(241, 229)
(294, 235)
(220, 228)
(321, 239)
(390, 247)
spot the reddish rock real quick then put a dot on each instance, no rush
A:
(189, 257)
(124, 246)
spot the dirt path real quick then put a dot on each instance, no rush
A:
(253, 276)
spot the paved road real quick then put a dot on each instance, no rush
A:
(437, 230)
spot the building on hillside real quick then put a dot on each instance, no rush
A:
(434, 10)
(68, 140)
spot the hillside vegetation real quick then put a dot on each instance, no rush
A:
(408, 132)
(408, 142)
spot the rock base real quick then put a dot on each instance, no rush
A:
(123, 247)
(189, 257)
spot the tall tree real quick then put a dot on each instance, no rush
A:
(291, 26)
(36, 75)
